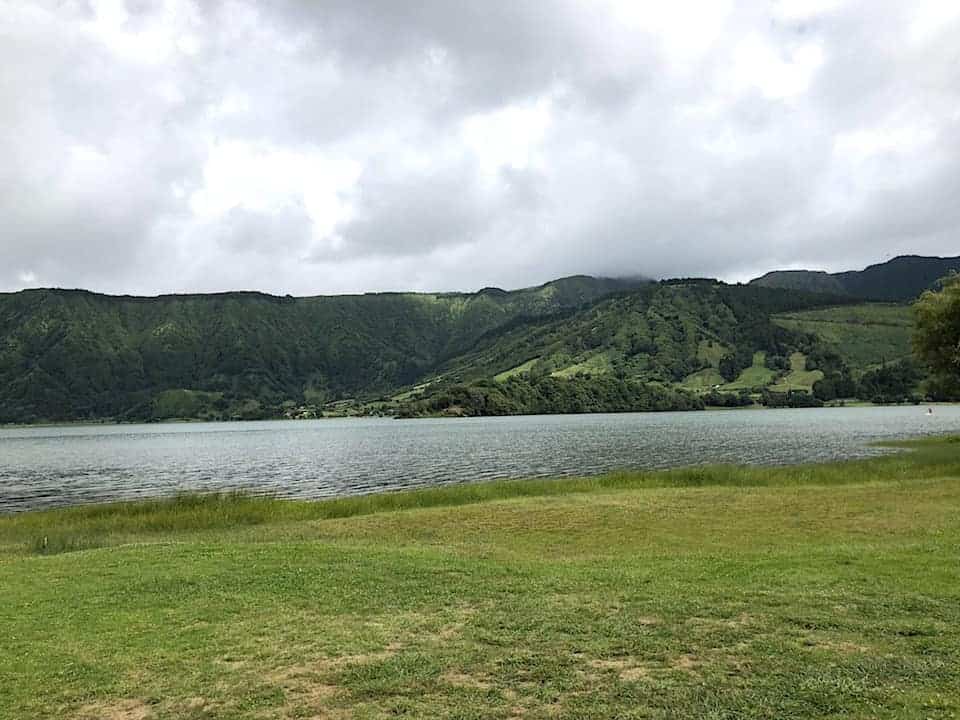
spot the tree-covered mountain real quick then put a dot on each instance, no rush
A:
(72, 354)
(681, 340)
(659, 333)
(572, 345)
(898, 280)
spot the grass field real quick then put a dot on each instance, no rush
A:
(598, 364)
(863, 335)
(711, 352)
(518, 370)
(828, 591)
(755, 377)
(703, 380)
(799, 378)
(407, 394)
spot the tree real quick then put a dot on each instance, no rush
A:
(936, 339)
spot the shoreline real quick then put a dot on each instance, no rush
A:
(692, 592)
(401, 498)
(194, 421)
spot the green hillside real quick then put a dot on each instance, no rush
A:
(863, 335)
(898, 280)
(755, 377)
(705, 379)
(71, 354)
(573, 345)
(662, 332)
(799, 377)
(673, 336)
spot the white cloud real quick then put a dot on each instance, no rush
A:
(932, 18)
(804, 10)
(866, 143)
(775, 71)
(263, 178)
(339, 146)
(169, 31)
(508, 136)
(685, 29)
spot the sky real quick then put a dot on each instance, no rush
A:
(330, 146)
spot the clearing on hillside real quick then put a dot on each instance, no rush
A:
(799, 378)
(755, 377)
(520, 369)
(863, 335)
(706, 379)
(598, 364)
(712, 352)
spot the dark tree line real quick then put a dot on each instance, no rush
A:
(526, 395)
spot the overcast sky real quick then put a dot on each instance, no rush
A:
(334, 146)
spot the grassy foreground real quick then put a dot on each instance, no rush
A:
(810, 591)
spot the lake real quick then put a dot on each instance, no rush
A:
(55, 466)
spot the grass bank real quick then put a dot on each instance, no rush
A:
(725, 592)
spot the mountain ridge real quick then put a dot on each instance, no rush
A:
(74, 354)
(573, 344)
(899, 279)
(616, 283)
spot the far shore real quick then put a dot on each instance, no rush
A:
(186, 421)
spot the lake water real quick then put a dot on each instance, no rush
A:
(54, 466)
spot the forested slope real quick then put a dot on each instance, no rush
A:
(573, 345)
(70, 354)
(651, 342)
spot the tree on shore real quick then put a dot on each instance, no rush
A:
(936, 339)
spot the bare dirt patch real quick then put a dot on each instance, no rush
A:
(450, 632)
(635, 674)
(306, 688)
(464, 680)
(742, 620)
(617, 664)
(627, 669)
(119, 710)
(838, 646)
(632, 669)
(341, 661)
(314, 692)
(331, 714)
(686, 662)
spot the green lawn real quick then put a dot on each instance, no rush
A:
(815, 591)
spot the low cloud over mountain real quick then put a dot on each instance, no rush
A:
(321, 147)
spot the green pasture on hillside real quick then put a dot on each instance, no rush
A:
(755, 377)
(864, 335)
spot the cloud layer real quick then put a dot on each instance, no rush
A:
(342, 146)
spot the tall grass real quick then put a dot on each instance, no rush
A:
(92, 526)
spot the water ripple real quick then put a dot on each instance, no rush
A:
(49, 467)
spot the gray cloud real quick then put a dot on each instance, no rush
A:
(335, 146)
(285, 229)
(413, 212)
